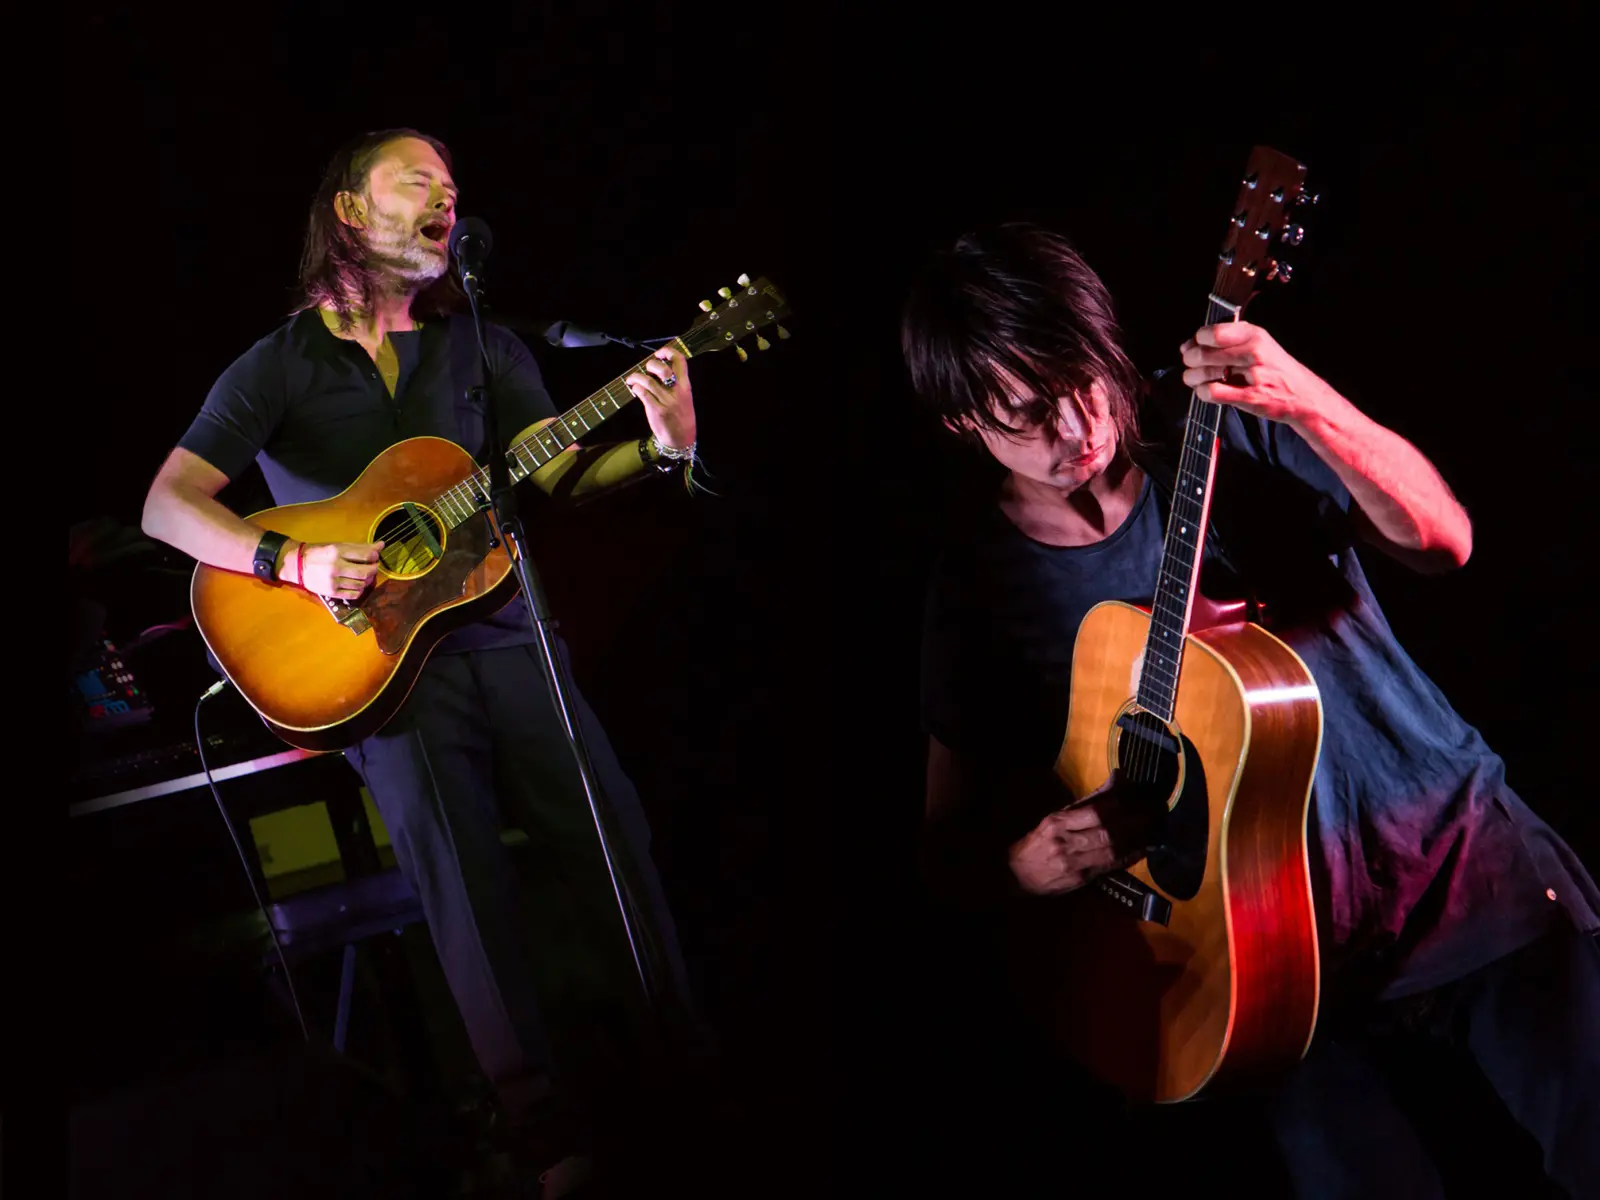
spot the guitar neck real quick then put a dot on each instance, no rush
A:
(544, 444)
(1181, 549)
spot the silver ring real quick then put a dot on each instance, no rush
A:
(670, 380)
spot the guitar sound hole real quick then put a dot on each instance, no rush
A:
(1148, 755)
(413, 540)
(1152, 763)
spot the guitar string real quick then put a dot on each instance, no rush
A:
(1145, 760)
(1147, 752)
(412, 527)
(465, 492)
(470, 493)
(1146, 757)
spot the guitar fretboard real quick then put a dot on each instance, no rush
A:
(456, 504)
(1180, 554)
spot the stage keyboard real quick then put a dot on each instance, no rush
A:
(140, 772)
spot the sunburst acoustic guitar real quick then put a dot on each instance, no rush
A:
(322, 673)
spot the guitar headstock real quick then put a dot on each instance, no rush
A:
(744, 312)
(1263, 221)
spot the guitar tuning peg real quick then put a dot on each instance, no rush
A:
(762, 343)
(705, 306)
(744, 281)
(783, 334)
(725, 293)
(743, 357)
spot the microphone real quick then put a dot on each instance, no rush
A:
(569, 335)
(470, 243)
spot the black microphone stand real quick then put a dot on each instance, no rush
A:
(503, 506)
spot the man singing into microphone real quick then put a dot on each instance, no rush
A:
(367, 361)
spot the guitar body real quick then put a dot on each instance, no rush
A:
(1221, 988)
(1196, 969)
(325, 676)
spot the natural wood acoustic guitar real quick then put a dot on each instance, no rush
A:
(1195, 970)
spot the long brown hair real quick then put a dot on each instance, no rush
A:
(1019, 298)
(334, 271)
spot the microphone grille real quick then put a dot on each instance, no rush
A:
(471, 227)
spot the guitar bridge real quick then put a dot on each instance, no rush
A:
(1144, 901)
(348, 615)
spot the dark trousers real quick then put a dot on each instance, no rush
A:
(1529, 1022)
(1005, 1116)
(530, 938)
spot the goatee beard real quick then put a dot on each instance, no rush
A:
(399, 254)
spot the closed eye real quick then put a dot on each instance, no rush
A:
(449, 191)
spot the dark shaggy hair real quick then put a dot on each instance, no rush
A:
(333, 266)
(1020, 298)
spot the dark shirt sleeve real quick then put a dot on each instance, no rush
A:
(1310, 487)
(518, 384)
(241, 412)
(1290, 452)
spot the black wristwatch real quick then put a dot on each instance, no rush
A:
(266, 561)
(662, 464)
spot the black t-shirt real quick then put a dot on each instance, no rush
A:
(1425, 863)
(311, 408)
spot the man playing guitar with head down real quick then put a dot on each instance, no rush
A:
(1444, 904)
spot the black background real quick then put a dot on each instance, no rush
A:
(754, 654)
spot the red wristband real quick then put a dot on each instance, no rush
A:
(300, 565)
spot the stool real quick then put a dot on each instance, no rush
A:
(340, 916)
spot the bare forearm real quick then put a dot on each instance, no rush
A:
(1401, 503)
(583, 473)
(203, 528)
(1398, 490)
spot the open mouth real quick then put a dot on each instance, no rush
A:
(436, 232)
